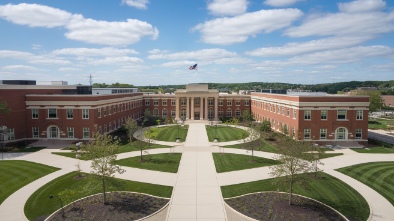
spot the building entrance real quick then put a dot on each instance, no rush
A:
(196, 115)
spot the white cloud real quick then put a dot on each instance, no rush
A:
(49, 61)
(310, 46)
(68, 69)
(340, 24)
(115, 60)
(204, 54)
(227, 7)
(20, 67)
(34, 15)
(362, 6)
(158, 51)
(226, 31)
(90, 52)
(281, 3)
(15, 54)
(140, 4)
(109, 33)
(79, 28)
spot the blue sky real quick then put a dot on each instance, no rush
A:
(154, 42)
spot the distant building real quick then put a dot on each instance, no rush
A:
(388, 100)
(114, 90)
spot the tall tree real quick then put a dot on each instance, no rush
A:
(247, 116)
(295, 164)
(375, 100)
(131, 126)
(102, 151)
(4, 109)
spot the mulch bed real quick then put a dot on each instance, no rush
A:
(275, 206)
(120, 206)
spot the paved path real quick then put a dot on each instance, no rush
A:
(197, 194)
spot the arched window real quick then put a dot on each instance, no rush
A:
(229, 113)
(164, 113)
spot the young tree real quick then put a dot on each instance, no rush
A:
(247, 116)
(295, 164)
(252, 141)
(131, 126)
(102, 151)
(140, 143)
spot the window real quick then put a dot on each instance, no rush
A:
(34, 113)
(197, 101)
(155, 112)
(52, 113)
(164, 102)
(105, 128)
(70, 132)
(119, 123)
(173, 102)
(341, 114)
(229, 103)
(307, 114)
(36, 133)
(85, 113)
(173, 113)
(323, 134)
(288, 112)
(220, 113)
(246, 102)
(11, 134)
(228, 113)
(183, 113)
(293, 131)
(210, 102)
(220, 102)
(270, 107)
(109, 126)
(100, 131)
(307, 134)
(237, 103)
(358, 134)
(86, 132)
(53, 132)
(183, 101)
(164, 113)
(147, 103)
(156, 102)
(359, 115)
(99, 112)
(283, 110)
(323, 115)
(70, 113)
(238, 113)
(210, 113)
(278, 109)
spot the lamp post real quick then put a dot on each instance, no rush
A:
(216, 133)
(61, 204)
(77, 146)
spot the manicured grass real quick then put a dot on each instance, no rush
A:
(328, 155)
(166, 162)
(123, 148)
(374, 150)
(378, 175)
(225, 133)
(23, 149)
(261, 145)
(39, 203)
(168, 133)
(14, 174)
(326, 189)
(226, 162)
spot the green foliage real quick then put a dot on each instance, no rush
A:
(225, 134)
(4, 109)
(102, 151)
(15, 174)
(247, 117)
(375, 100)
(131, 126)
(114, 85)
(265, 126)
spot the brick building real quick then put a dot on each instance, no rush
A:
(73, 113)
(314, 117)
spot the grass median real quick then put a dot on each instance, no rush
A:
(226, 162)
(225, 133)
(166, 162)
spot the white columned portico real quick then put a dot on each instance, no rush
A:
(216, 108)
(187, 108)
(177, 108)
(206, 109)
(192, 112)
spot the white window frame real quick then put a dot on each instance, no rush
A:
(35, 132)
(99, 112)
(163, 102)
(246, 102)
(85, 113)
(220, 102)
(307, 134)
(70, 132)
(34, 113)
(229, 103)
(156, 102)
(323, 134)
(86, 132)
(338, 114)
(49, 110)
(359, 115)
(323, 116)
(147, 102)
(307, 115)
(359, 134)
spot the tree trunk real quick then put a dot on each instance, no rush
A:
(104, 194)
(141, 154)
(291, 190)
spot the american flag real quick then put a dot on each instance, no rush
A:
(194, 67)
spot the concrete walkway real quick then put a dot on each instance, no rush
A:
(197, 194)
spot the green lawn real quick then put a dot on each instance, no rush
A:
(328, 155)
(166, 162)
(374, 150)
(379, 123)
(225, 133)
(22, 149)
(14, 174)
(226, 162)
(378, 175)
(261, 145)
(168, 133)
(326, 189)
(39, 204)
(123, 148)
